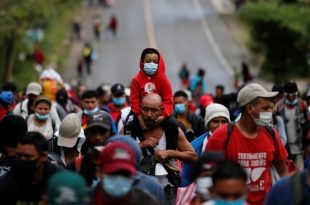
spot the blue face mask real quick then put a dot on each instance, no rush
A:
(180, 108)
(240, 201)
(41, 117)
(119, 101)
(90, 112)
(116, 186)
(150, 68)
(291, 103)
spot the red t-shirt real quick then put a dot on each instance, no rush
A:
(84, 121)
(254, 155)
(116, 113)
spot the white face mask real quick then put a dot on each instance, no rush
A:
(202, 187)
(265, 119)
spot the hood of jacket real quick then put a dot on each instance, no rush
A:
(161, 66)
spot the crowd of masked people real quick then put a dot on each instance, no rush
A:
(149, 145)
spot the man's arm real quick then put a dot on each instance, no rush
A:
(185, 152)
(280, 156)
(281, 168)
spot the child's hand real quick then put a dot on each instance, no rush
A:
(142, 124)
(159, 120)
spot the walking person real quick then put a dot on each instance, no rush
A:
(294, 112)
(113, 25)
(97, 25)
(87, 55)
(250, 142)
(162, 143)
(41, 120)
(27, 181)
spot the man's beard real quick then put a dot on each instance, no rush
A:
(150, 123)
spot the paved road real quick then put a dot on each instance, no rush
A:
(188, 31)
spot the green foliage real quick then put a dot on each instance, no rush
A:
(17, 16)
(281, 33)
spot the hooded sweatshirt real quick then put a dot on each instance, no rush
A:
(142, 84)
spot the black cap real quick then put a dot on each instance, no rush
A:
(207, 161)
(290, 87)
(118, 89)
(12, 127)
(100, 119)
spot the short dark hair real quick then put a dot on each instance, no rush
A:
(220, 87)
(43, 100)
(201, 72)
(228, 169)
(89, 94)
(290, 87)
(12, 127)
(180, 93)
(62, 95)
(101, 92)
(9, 86)
(36, 139)
(148, 51)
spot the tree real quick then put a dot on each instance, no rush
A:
(282, 34)
(15, 18)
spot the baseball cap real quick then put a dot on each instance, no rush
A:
(205, 100)
(69, 131)
(7, 96)
(118, 89)
(252, 91)
(118, 156)
(66, 187)
(100, 119)
(34, 88)
(208, 160)
(216, 110)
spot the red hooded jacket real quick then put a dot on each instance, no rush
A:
(142, 84)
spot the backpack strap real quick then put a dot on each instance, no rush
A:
(230, 127)
(297, 191)
(270, 131)
(21, 107)
(53, 126)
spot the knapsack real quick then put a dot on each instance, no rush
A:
(231, 126)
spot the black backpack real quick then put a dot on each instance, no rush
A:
(231, 126)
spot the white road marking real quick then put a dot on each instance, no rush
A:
(149, 24)
(210, 38)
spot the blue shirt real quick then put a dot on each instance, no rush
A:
(282, 192)
(188, 170)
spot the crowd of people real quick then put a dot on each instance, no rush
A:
(146, 144)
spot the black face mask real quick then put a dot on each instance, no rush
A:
(24, 169)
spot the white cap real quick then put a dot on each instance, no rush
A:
(216, 110)
(34, 88)
(251, 92)
(69, 131)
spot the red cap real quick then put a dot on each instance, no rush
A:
(205, 100)
(117, 156)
